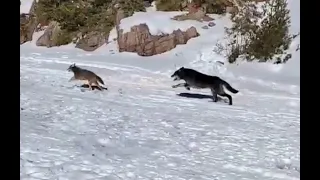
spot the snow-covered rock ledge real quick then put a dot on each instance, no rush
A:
(141, 41)
(151, 33)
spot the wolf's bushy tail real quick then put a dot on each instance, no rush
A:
(100, 80)
(229, 88)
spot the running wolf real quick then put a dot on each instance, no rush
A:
(87, 76)
(199, 80)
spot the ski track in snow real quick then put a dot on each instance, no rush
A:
(141, 129)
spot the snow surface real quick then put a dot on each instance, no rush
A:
(25, 6)
(141, 129)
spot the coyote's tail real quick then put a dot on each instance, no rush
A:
(100, 80)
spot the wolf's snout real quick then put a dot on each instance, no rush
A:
(176, 78)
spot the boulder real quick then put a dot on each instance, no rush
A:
(140, 40)
(211, 24)
(231, 9)
(50, 35)
(91, 41)
(195, 12)
(28, 24)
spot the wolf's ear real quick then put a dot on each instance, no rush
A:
(182, 67)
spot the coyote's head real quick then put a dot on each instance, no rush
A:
(72, 67)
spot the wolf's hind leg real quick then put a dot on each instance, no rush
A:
(228, 96)
(186, 85)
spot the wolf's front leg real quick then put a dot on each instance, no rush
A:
(72, 79)
(179, 85)
(214, 95)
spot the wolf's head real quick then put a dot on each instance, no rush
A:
(178, 74)
(72, 67)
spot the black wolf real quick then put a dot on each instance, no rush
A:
(199, 80)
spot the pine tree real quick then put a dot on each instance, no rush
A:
(260, 35)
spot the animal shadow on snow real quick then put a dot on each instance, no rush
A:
(200, 96)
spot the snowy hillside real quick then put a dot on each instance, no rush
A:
(143, 129)
(25, 6)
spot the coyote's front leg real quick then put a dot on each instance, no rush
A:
(72, 79)
(90, 87)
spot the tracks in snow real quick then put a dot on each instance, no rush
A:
(145, 131)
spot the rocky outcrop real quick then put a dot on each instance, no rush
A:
(92, 41)
(28, 24)
(119, 16)
(140, 40)
(231, 9)
(50, 35)
(195, 12)
(88, 36)
(53, 36)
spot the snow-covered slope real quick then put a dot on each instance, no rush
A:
(141, 128)
(25, 6)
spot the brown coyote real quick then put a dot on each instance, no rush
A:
(88, 77)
